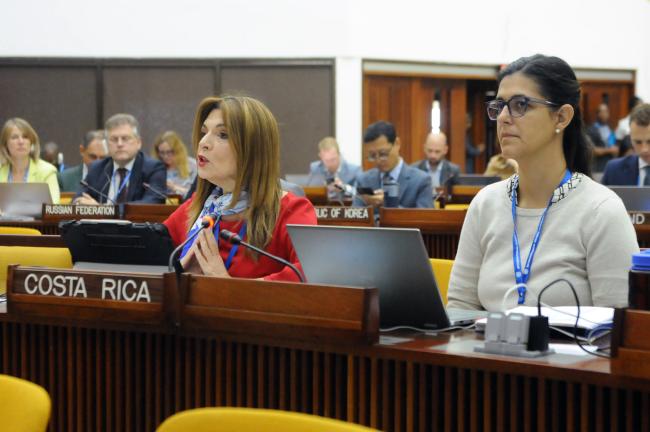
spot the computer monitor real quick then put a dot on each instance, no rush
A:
(24, 200)
(394, 260)
(635, 198)
(476, 180)
(117, 242)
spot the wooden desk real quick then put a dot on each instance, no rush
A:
(132, 212)
(440, 228)
(105, 379)
(463, 194)
(107, 374)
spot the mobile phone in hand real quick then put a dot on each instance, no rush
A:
(365, 191)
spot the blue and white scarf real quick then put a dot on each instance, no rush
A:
(217, 202)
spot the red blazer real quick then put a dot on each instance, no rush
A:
(293, 210)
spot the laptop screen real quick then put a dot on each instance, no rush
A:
(393, 260)
(476, 180)
(24, 199)
(634, 198)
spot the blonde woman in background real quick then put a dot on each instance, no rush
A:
(501, 166)
(181, 169)
(19, 152)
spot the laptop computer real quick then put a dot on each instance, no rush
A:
(394, 260)
(23, 201)
(476, 180)
(635, 198)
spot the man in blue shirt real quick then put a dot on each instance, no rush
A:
(602, 138)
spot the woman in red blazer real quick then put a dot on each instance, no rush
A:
(237, 144)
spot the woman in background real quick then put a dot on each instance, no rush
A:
(181, 169)
(20, 150)
(237, 143)
(551, 220)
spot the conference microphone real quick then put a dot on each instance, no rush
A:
(147, 186)
(84, 183)
(233, 238)
(208, 222)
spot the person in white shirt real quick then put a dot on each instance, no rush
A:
(550, 221)
(623, 127)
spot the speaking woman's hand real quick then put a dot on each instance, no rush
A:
(207, 255)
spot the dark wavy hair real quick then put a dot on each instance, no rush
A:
(558, 83)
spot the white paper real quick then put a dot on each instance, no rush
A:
(565, 316)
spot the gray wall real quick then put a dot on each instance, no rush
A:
(64, 98)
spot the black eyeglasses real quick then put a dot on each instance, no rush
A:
(517, 106)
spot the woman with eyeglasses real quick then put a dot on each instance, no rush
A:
(170, 149)
(237, 143)
(19, 157)
(551, 220)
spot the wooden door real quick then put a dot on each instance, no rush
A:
(614, 93)
(406, 102)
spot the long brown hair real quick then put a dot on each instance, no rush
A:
(255, 140)
(25, 128)
(178, 147)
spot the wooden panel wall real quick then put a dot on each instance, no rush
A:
(301, 99)
(406, 102)
(596, 92)
(61, 104)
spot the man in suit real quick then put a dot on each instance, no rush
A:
(332, 170)
(442, 172)
(93, 148)
(633, 170)
(121, 177)
(381, 146)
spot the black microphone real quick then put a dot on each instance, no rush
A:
(233, 238)
(207, 221)
(84, 183)
(147, 186)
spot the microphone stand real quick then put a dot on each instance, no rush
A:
(156, 192)
(208, 221)
(120, 207)
(235, 239)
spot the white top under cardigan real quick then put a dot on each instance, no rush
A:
(587, 238)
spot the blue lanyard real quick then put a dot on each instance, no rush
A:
(521, 276)
(10, 177)
(233, 250)
(125, 180)
(216, 230)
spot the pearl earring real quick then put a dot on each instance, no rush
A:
(557, 130)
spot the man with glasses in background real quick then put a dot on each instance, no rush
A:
(391, 176)
(93, 148)
(121, 177)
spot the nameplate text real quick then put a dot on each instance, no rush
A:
(86, 285)
(345, 213)
(71, 211)
(639, 218)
